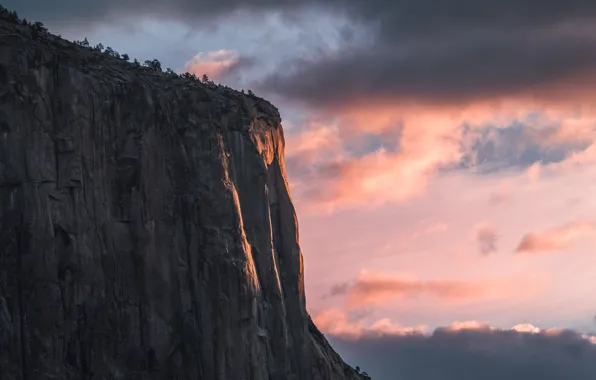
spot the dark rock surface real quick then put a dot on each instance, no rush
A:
(146, 227)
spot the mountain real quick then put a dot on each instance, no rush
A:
(146, 225)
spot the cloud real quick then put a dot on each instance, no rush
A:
(486, 238)
(378, 154)
(217, 65)
(336, 322)
(461, 351)
(481, 51)
(555, 239)
(377, 289)
(394, 168)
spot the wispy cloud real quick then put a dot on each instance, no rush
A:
(555, 239)
(486, 237)
(377, 289)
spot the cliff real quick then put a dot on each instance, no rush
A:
(146, 225)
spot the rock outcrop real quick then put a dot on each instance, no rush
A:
(146, 226)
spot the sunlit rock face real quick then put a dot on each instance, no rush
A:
(146, 227)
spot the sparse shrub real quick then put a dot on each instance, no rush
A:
(125, 57)
(99, 47)
(250, 93)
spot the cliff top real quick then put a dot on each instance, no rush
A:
(107, 63)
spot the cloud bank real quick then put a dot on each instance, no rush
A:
(462, 351)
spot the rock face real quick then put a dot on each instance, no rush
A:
(146, 227)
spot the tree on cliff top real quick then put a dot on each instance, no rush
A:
(154, 65)
(38, 26)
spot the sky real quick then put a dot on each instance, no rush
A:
(441, 156)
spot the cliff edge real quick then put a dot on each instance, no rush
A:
(146, 225)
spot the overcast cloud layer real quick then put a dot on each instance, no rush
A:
(422, 50)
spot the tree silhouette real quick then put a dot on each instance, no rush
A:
(38, 26)
(125, 57)
(12, 16)
(154, 65)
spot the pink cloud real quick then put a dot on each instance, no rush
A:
(317, 142)
(336, 322)
(215, 64)
(376, 289)
(418, 142)
(382, 175)
(555, 239)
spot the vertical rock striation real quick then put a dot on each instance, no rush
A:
(146, 227)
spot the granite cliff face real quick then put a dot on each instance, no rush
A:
(146, 227)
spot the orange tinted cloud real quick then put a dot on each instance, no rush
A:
(375, 289)
(384, 174)
(317, 142)
(418, 141)
(555, 239)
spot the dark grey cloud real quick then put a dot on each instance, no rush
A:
(450, 52)
(445, 69)
(393, 18)
(473, 354)
(421, 50)
(106, 10)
